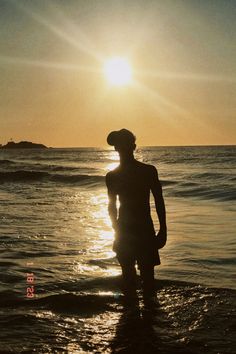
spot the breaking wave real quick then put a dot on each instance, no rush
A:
(26, 176)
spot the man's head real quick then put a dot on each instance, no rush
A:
(123, 140)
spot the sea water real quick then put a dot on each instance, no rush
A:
(59, 290)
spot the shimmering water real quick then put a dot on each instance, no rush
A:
(54, 224)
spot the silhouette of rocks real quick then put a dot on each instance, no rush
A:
(22, 145)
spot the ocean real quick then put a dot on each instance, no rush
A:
(59, 281)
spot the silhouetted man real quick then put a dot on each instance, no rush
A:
(135, 238)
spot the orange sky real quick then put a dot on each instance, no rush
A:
(53, 89)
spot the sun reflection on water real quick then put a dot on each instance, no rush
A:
(101, 214)
(100, 258)
(111, 166)
(113, 156)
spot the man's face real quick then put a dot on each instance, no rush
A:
(125, 149)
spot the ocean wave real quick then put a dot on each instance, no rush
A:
(26, 176)
(168, 182)
(231, 261)
(227, 194)
(77, 179)
(210, 175)
(61, 168)
(103, 263)
(79, 303)
(187, 318)
(6, 162)
(22, 175)
(101, 291)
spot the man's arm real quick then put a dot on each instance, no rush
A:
(156, 189)
(112, 209)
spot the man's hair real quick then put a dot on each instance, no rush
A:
(121, 137)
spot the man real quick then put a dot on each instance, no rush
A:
(135, 238)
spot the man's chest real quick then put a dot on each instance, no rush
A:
(131, 184)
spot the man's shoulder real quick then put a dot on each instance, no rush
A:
(112, 173)
(147, 167)
(148, 171)
(111, 178)
(109, 174)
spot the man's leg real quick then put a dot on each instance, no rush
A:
(129, 276)
(147, 276)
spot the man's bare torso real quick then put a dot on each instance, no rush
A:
(132, 184)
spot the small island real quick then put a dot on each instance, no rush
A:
(22, 145)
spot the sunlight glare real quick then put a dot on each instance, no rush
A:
(118, 71)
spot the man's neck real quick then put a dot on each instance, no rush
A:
(126, 160)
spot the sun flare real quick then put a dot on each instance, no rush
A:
(118, 71)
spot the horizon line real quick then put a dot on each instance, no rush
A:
(110, 148)
(138, 146)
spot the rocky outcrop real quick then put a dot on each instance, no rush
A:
(22, 145)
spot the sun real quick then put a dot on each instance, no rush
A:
(118, 71)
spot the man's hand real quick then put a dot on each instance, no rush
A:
(156, 189)
(115, 225)
(115, 246)
(161, 238)
(116, 234)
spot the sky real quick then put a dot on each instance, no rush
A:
(53, 89)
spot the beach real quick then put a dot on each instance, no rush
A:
(59, 289)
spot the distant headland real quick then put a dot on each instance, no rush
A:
(22, 145)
